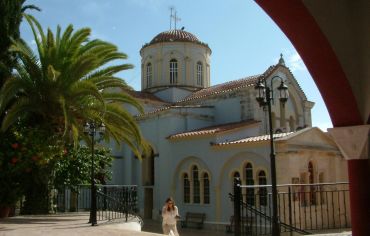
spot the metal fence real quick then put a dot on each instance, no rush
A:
(113, 201)
(302, 208)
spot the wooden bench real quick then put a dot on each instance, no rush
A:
(193, 218)
(246, 221)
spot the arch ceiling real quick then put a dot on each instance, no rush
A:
(332, 38)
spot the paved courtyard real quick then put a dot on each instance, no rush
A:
(76, 224)
(65, 224)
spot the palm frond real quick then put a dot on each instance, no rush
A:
(123, 98)
(15, 112)
(36, 34)
(71, 79)
(110, 70)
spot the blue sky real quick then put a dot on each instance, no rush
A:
(243, 38)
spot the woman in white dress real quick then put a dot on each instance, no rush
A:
(170, 215)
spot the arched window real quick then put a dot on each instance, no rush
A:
(311, 181)
(205, 188)
(199, 73)
(186, 189)
(262, 190)
(235, 176)
(249, 181)
(196, 185)
(173, 71)
(149, 74)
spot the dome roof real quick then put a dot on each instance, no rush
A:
(175, 36)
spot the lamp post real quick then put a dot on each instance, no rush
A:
(264, 97)
(92, 128)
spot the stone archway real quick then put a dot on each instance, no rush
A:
(337, 61)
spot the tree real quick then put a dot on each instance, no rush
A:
(70, 80)
(10, 18)
(74, 167)
(26, 164)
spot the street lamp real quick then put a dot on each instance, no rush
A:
(92, 128)
(264, 97)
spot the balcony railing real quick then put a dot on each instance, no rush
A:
(302, 208)
(114, 202)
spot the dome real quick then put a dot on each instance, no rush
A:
(175, 36)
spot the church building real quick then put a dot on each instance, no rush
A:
(203, 135)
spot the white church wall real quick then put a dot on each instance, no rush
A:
(131, 109)
(235, 160)
(117, 173)
(219, 163)
(120, 163)
(249, 131)
(175, 157)
(187, 55)
(227, 110)
(197, 118)
(172, 94)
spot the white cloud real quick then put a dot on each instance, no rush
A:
(292, 60)
(295, 62)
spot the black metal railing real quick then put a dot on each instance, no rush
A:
(117, 202)
(113, 201)
(302, 208)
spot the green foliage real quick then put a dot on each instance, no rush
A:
(26, 160)
(74, 167)
(10, 170)
(68, 81)
(10, 18)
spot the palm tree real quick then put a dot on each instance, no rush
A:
(10, 18)
(70, 80)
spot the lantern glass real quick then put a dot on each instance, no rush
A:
(260, 88)
(283, 92)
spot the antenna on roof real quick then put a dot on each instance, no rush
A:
(173, 17)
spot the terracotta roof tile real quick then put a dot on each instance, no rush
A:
(144, 95)
(253, 139)
(213, 129)
(228, 86)
(175, 36)
(153, 112)
(164, 108)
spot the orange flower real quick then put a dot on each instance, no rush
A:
(15, 145)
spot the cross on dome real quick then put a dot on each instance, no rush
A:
(174, 17)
